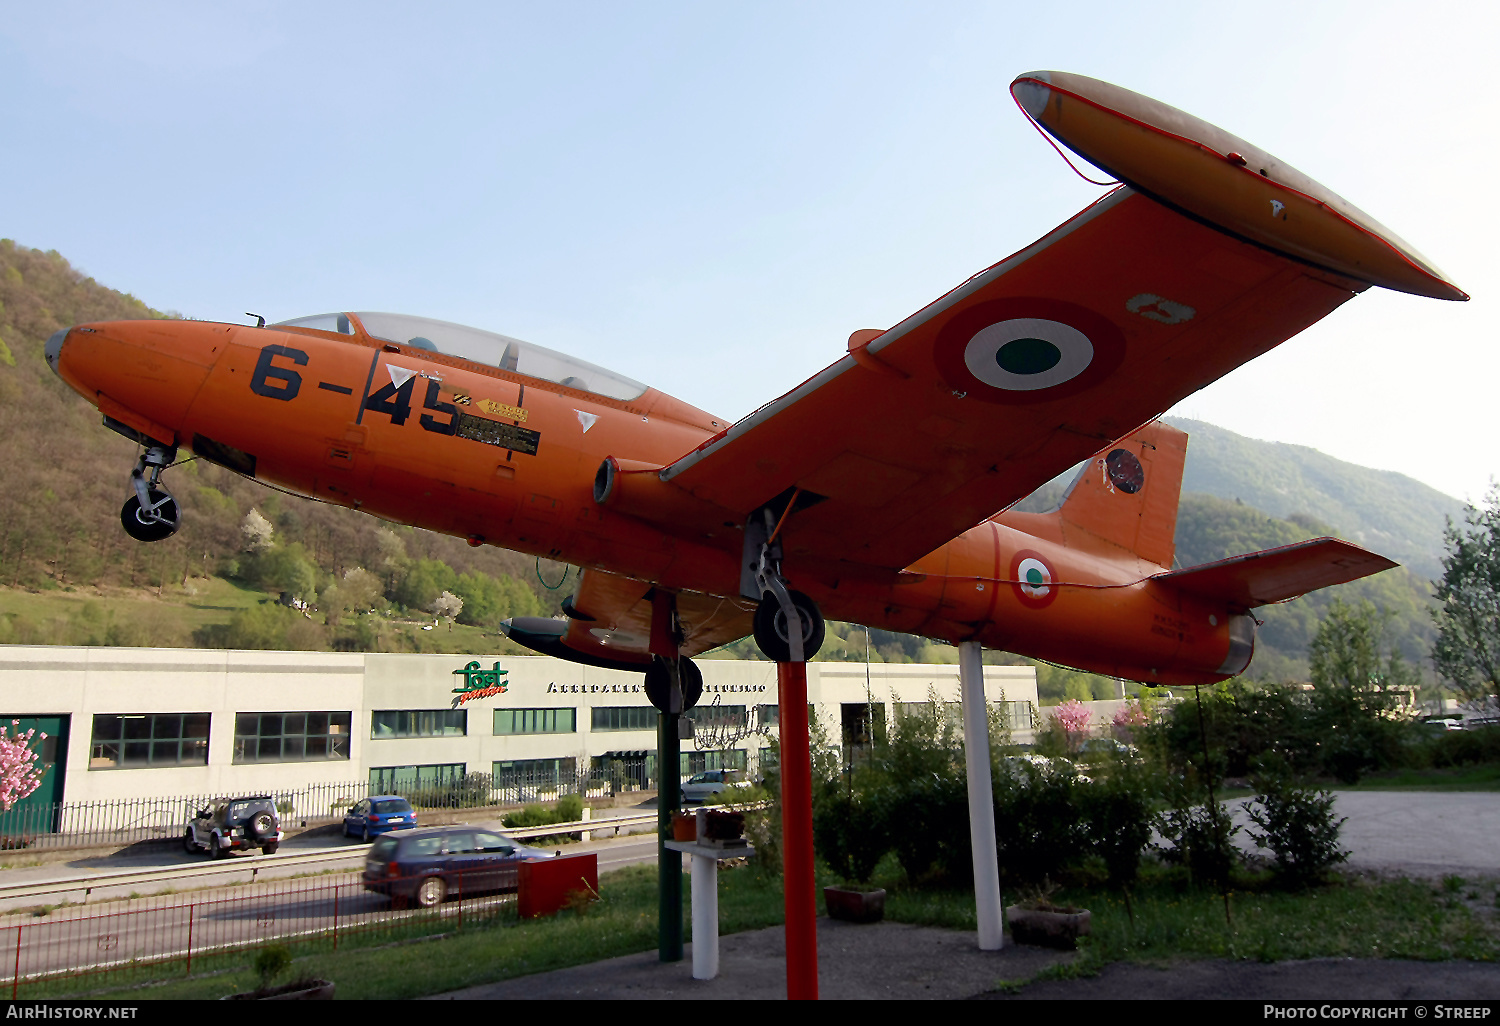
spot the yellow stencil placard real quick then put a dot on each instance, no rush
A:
(502, 409)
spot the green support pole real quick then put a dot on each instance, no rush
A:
(668, 863)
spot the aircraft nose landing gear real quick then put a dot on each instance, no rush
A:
(151, 514)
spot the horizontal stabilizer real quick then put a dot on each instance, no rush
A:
(1275, 575)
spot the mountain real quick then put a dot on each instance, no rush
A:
(1382, 510)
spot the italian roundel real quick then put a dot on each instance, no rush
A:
(1018, 351)
(1031, 578)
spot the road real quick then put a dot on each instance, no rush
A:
(105, 933)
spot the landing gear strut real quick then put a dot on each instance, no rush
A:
(151, 514)
(788, 625)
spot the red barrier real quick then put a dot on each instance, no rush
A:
(546, 884)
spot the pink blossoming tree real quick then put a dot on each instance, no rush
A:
(19, 773)
(1129, 718)
(1073, 717)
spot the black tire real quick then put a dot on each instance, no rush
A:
(262, 824)
(270, 849)
(771, 633)
(162, 524)
(188, 843)
(366, 836)
(659, 681)
(216, 849)
(431, 891)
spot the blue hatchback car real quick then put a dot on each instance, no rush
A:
(379, 815)
(426, 866)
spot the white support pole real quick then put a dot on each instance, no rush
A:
(981, 798)
(705, 892)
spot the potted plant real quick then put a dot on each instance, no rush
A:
(1040, 921)
(855, 902)
(270, 962)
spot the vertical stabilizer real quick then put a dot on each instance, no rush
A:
(1127, 495)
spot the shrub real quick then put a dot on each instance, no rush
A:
(270, 962)
(569, 809)
(1039, 827)
(1199, 837)
(850, 834)
(1298, 827)
(1119, 815)
(1465, 747)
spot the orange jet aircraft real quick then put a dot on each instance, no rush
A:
(870, 492)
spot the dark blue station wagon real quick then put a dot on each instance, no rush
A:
(429, 865)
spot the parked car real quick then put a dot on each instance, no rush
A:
(711, 784)
(246, 822)
(378, 815)
(1096, 746)
(427, 865)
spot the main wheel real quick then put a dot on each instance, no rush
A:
(773, 636)
(659, 682)
(155, 525)
(431, 892)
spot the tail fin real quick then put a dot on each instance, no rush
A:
(1128, 495)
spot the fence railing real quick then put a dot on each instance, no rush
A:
(123, 821)
(166, 937)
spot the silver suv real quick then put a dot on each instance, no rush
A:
(247, 822)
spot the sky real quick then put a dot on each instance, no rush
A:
(711, 197)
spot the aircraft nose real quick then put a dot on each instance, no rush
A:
(54, 348)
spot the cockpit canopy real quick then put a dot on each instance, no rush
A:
(485, 347)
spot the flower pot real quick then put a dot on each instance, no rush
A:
(684, 826)
(1046, 927)
(854, 906)
(301, 990)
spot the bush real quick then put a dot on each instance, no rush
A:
(1464, 747)
(1039, 827)
(569, 809)
(1299, 829)
(1199, 837)
(1119, 815)
(849, 832)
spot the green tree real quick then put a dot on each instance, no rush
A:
(1467, 651)
(1358, 678)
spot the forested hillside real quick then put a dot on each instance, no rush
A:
(69, 574)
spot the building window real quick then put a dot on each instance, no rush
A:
(291, 737)
(768, 715)
(951, 713)
(389, 723)
(536, 721)
(1016, 715)
(732, 716)
(535, 772)
(141, 740)
(696, 762)
(407, 779)
(624, 717)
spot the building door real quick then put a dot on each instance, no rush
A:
(39, 812)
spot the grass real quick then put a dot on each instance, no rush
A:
(1466, 778)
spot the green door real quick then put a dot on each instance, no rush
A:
(38, 812)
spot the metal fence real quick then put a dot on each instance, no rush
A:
(123, 821)
(166, 937)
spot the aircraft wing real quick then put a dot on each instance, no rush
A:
(610, 623)
(1275, 575)
(1022, 371)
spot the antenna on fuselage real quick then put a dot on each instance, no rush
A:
(260, 322)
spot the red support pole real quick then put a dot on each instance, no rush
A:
(191, 909)
(15, 984)
(796, 835)
(336, 887)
